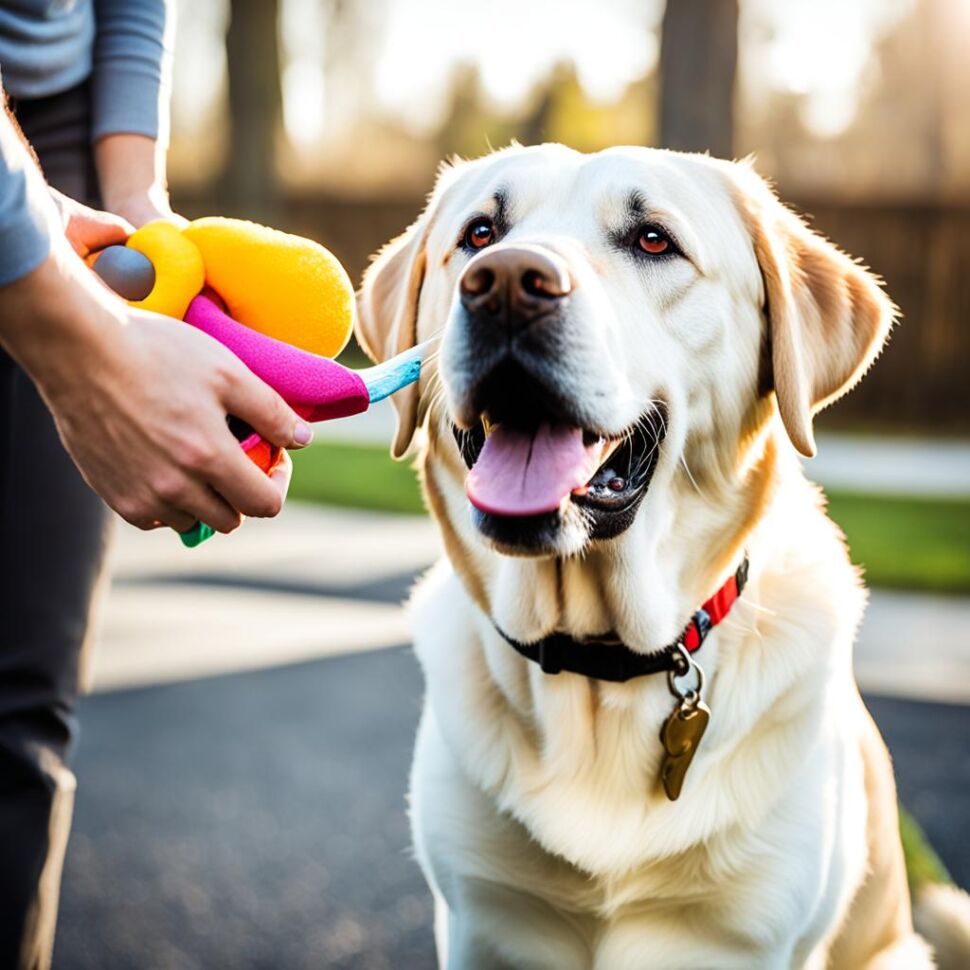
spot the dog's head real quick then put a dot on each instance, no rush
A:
(610, 325)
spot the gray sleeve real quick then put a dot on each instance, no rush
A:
(27, 212)
(131, 77)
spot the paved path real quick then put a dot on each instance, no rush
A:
(257, 821)
(320, 582)
(892, 466)
(312, 583)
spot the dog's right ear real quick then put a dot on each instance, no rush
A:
(387, 315)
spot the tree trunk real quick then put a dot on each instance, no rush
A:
(255, 106)
(698, 62)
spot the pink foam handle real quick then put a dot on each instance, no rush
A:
(317, 388)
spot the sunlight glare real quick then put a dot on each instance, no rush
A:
(821, 50)
(514, 46)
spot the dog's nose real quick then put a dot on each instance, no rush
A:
(517, 284)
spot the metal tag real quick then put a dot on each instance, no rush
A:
(681, 735)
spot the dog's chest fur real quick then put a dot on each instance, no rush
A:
(556, 778)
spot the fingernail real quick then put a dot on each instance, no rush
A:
(303, 433)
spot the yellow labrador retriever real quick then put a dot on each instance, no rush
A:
(642, 744)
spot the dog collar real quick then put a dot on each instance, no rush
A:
(607, 657)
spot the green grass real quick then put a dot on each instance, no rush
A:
(923, 865)
(904, 543)
(907, 543)
(359, 476)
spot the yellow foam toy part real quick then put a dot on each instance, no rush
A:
(179, 271)
(281, 285)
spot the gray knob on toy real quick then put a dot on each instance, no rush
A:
(128, 272)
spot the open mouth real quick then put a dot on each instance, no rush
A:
(526, 483)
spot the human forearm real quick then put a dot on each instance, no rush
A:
(56, 316)
(131, 171)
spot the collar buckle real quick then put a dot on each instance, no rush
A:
(703, 624)
(550, 653)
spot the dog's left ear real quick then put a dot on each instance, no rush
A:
(387, 315)
(828, 317)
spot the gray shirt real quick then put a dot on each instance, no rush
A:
(49, 46)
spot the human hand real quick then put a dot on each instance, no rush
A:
(87, 229)
(140, 401)
(147, 206)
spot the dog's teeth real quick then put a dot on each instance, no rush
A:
(487, 426)
(609, 446)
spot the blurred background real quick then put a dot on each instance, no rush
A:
(244, 753)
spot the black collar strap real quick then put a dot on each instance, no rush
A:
(607, 657)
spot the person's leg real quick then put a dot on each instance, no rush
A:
(53, 536)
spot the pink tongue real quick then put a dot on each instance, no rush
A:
(525, 474)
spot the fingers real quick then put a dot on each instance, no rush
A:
(215, 510)
(90, 231)
(242, 484)
(280, 476)
(265, 411)
(212, 509)
(176, 519)
(179, 501)
(231, 488)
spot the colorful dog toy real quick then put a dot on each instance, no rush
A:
(283, 304)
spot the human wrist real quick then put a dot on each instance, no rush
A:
(142, 205)
(59, 323)
(131, 172)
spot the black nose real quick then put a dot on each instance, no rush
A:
(515, 284)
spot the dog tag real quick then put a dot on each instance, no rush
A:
(680, 735)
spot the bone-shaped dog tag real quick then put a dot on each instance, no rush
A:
(681, 735)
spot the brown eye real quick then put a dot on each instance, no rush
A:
(480, 233)
(655, 241)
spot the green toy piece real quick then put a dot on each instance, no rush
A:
(196, 535)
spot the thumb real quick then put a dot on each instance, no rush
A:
(265, 411)
(88, 233)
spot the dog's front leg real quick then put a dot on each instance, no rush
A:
(464, 949)
(472, 856)
(498, 928)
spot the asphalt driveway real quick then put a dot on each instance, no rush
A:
(257, 820)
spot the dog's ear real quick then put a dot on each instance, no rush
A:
(387, 316)
(828, 317)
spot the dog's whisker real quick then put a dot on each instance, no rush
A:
(693, 481)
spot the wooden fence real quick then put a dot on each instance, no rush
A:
(922, 250)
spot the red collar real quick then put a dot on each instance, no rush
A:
(607, 657)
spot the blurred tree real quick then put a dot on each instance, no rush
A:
(559, 109)
(569, 115)
(698, 62)
(352, 36)
(255, 107)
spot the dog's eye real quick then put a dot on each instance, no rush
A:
(479, 233)
(655, 242)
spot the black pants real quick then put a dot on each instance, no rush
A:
(53, 536)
